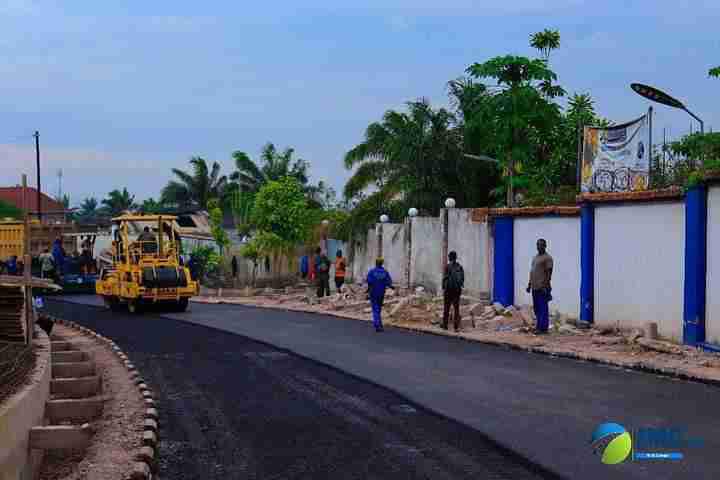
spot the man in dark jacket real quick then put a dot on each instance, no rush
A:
(378, 280)
(322, 269)
(453, 283)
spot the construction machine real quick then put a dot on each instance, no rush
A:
(146, 265)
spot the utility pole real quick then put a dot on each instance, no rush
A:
(37, 162)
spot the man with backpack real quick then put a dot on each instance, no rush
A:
(453, 283)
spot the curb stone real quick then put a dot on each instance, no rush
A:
(146, 459)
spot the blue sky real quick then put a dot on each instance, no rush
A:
(123, 91)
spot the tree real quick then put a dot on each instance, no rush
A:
(8, 210)
(281, 208)
(89, 211)
(714, 72)
(150, 205)
(251, 176)
(195, 189)
(241, 204)
(119, 201)
(545, 42)
(216, 225)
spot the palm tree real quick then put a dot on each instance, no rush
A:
(118, 201)
(194, 190)
(251, 176)
(545, 42)
(415, 155)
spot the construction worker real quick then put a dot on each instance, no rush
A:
(378, 280)
(47, 264)
(323, 275)
(453, 283)
(339, 270)
(147, 241)
(539, 284)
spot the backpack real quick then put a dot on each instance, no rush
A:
(455, 277)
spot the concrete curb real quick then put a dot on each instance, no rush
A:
(145, 462)
(638, 366)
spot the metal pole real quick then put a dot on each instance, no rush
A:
(650, 144)
(27, 265)
(37, 162)
(579, 155)
(444, 250)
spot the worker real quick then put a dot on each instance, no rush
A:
(323, 275)
(147, 241)
(539, 284)
(12, 265)
(47, 264)
(452, 284)
(378, 280)
(339, 270)
(58, 253)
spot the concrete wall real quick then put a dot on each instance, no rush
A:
(365, 254)
(19, 413)
(470, 241)
(712, 315)
(639, 266)
(563, 237)
(426, 247)
(395, 251)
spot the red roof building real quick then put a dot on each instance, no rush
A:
(52, 210)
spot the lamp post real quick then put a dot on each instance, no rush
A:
(656, 95)
(324, 241)
(383, 219)
(449, 203)
(412, 213)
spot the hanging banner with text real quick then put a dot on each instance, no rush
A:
(616, 159)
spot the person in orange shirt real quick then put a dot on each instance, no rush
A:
(339, 270)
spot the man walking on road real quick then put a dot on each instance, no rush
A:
(378, 280)
(539, 284)
(453, 283)
(47, 265)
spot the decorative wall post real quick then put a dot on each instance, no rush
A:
(445, 223)
(587, 262)
(503, 273)
(412, 213)
(383, 220)
(695, 265)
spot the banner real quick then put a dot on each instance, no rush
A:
(616, 159)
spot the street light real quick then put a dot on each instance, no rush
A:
(449, 203)
(383, 219)
(412, 213)
(324, 246)
(652, 93)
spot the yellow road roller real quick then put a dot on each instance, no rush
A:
(146, 266)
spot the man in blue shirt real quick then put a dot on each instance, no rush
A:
(378, 280)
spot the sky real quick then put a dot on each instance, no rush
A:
(121, 92)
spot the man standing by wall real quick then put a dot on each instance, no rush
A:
(539, 284)
(378, 280)
(323, 275)
(453, 283)
(339, 270)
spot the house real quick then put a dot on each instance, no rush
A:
(53, 212)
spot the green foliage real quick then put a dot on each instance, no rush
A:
(714, 72)
(151, 206)
(8, 210)
(545, 42)
(119, 201)
(274, 166)
(241, 204)
(280, 207)
(216, 224)
(207, 259)
(195, 189)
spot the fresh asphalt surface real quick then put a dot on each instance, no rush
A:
(541, 407)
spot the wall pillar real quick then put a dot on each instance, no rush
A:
(587, 262)
(503, 273)
(695, 265)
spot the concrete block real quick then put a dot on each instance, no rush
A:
(151, 425)
(81, 409)
(651, 330)
(73, 370)
(140, 471)
(68, 356)
(149, 438)
(61, 437)
(76, 387)
(147, 455)
(151, 413)
(147, 394)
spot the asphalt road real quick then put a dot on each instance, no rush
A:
(234, 408)
(541, 407)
